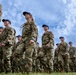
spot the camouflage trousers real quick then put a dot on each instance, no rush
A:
(39, 66)
(7, 52)
(47, 59)
(1, 60)
(17, 65)
(27, 59)
(17, 58)
(63, 60)
(72, 64)
(56, 65)
(36, 67)
(75, 64)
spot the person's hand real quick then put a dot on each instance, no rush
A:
(2, 44)
(31, 41)
(47, 45)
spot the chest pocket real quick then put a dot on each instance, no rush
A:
(71, 51)
(45, 39)
(26, 30)
(4, 34)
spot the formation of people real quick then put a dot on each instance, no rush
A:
(27, 56)
(65, 57)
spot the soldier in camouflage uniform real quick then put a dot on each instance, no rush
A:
(15, 64)
(37, 63)
(1, 52)
(47, 48)
(72, 51)
(34, 57)
(56, 64)
(75, 61)
(7, 43)
(63, 56)
(19, 37)
(29, 38)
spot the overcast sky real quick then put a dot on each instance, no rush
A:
(60, 15)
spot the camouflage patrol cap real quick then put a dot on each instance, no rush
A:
(18, 36)
(61, 37)
(3, 20)
(70, 42)
(26, 13)
(44, 25)
(1, 27)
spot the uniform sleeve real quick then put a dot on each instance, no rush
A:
(51, 40)
(34, 32)
(10, 37)
(51, 36)
(55, 53)
(67, 48)
(75, 52)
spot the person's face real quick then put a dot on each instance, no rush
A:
(70, 44)
(37, 44)
(6, 23)
(27, 17)
(1, 30)
(45, 28)
(62, 39)
(19, 38)
(57, 45)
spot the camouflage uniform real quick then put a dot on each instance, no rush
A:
(63, 57)
(56, 64)
(34, 58)
(39, 66)
(8, 36)
(72, 51)
(75, 60)
(1, 56)
(47, 59)
(15, 63)
(36, 61)
(29, 32)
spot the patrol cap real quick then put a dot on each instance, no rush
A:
(44, 25)
(3, 20)
(26, 13)
(37, 43)
(1, 27)
(70, 42)
(61, 37)
(57, 44)
(18, 36)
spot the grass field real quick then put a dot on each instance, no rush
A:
(40, 74)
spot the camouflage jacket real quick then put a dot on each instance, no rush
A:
(0, 41)
(48, 38)
(16, 45)
(8, 36)
(72, 51)
(29, 32)
(63, 48)
(56, 53)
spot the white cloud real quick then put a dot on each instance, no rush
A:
(67, 26)
(64, 1)
(63, 12)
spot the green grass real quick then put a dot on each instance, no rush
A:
(39, 74)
